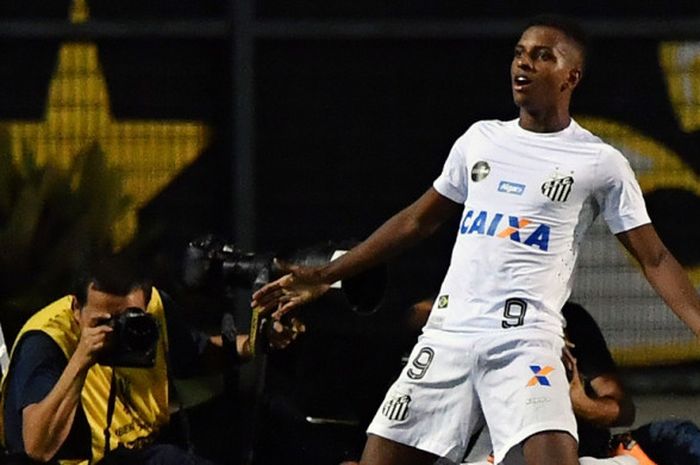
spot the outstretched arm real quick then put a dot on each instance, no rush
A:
(403, 230)
(664, 273)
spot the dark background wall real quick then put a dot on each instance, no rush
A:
(346, 131)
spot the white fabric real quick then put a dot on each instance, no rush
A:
(515, 457)
(515, 241)
(619, 460)
(436, 404)
(528, 200)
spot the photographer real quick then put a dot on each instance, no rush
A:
(68, 393)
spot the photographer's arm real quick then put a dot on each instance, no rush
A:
(279, 335)
(597, 394)
(193, 352)
(47, 423)
(403, 230)
(608, 405)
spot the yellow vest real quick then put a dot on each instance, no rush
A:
(141, 406)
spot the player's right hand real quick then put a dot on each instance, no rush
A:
(296, 288)
(93, 338)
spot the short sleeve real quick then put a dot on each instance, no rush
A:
(452, 182)
(37, 364)
(619, 196)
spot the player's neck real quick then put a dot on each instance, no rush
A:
(544, 121)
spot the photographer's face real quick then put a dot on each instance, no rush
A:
(101, 305)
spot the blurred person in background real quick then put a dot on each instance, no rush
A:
(600, 402)
(597, 393)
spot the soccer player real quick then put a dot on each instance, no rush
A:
(528, 189)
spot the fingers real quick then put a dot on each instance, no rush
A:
(99, 319)
(96, 334)
(566, 353)
(93, 340)
(268, 296)
(97, 340)
(287, 293)
(568, 358)
(298, 326)
(281, 335)
(287, 306)
(279, 296)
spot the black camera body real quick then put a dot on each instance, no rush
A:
(211, 261)
(133, 340)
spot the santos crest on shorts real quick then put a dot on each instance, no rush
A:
(528, 200)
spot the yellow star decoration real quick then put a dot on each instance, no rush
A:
(148, 153)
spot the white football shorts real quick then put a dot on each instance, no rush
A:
(514, 380)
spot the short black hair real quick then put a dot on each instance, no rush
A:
(571, 28)
(113, 274)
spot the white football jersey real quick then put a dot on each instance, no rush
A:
(528, 200)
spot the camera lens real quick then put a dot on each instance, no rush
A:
(139, 331)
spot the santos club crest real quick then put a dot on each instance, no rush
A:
(558, 189)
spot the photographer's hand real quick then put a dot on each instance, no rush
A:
(300, 286)
(281, 334)
(606, 405)
(576, 386)
(93, 338)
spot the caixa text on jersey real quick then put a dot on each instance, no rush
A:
(506, 227)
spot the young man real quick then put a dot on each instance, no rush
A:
(529, 189)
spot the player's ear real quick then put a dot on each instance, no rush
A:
(573, 78)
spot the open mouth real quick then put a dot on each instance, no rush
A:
(520, 82)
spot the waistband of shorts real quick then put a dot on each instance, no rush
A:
(505, 334)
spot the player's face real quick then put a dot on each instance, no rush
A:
(545, 69)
